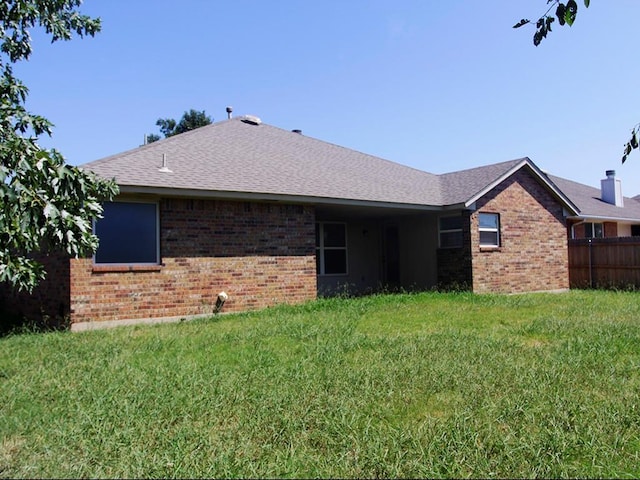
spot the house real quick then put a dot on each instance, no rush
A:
(604, 212)
(603, 236)
(273, 216)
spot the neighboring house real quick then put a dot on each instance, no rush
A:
(604, 212)
(272, 216)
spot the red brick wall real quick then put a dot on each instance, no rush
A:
(533, 252)
(259, 254)
(610, 229)
(578, 229)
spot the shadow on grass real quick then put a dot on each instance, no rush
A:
(15, 324)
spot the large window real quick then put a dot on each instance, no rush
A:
(331, 248)
(128, 234)
(450, 229)
(489, 224)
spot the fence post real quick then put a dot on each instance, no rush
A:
(590, 265)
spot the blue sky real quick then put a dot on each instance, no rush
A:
(436, 85)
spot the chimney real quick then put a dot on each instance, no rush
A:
(611, 189)
(229, 111)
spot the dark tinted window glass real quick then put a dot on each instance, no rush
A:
(451, 223)
(450, 239)
(334, 235)
(128, 233)
(489, 238)
(597, 230)
(335, 262)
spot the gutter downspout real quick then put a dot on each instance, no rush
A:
(573, 232)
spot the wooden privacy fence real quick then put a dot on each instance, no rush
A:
(604, 262)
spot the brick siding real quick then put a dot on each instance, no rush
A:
(610, 229)
(533, 250)
(263, 254)
(259, 254)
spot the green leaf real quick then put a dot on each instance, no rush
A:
(50, 211)
(560, 12)
(586, 3)
(522, 22)
(570, 12)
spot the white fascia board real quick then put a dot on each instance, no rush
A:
(597, 219)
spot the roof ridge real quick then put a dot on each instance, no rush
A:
(158, 142)
(514, 161)
(352, 150)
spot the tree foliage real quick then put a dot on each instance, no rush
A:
(44, 203)
(632, 143)
(190, 120)
(566, 13)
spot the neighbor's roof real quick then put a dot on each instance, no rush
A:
(591, 206)
(233, 157)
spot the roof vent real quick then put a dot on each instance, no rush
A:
(251, 120)
(297, 131)
(229, 112)
(164, 168)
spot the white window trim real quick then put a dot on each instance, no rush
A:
(490, 229)
(320, 249)
(158, 260)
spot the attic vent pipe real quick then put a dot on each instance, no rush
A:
(229, 112)
(295, 130)
(164, 168)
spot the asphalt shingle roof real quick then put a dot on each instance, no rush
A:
(588, 201)
(237, 157)
(234, 156)
(458, 187)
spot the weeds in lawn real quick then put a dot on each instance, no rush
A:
(410, 385)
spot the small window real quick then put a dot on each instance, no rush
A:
(593, 230)
(450, 230)
(128, 234)
(489, 224)
(331, 248)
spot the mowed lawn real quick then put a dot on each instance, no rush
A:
(420, 385)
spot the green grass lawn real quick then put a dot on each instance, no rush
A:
(424, 385)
